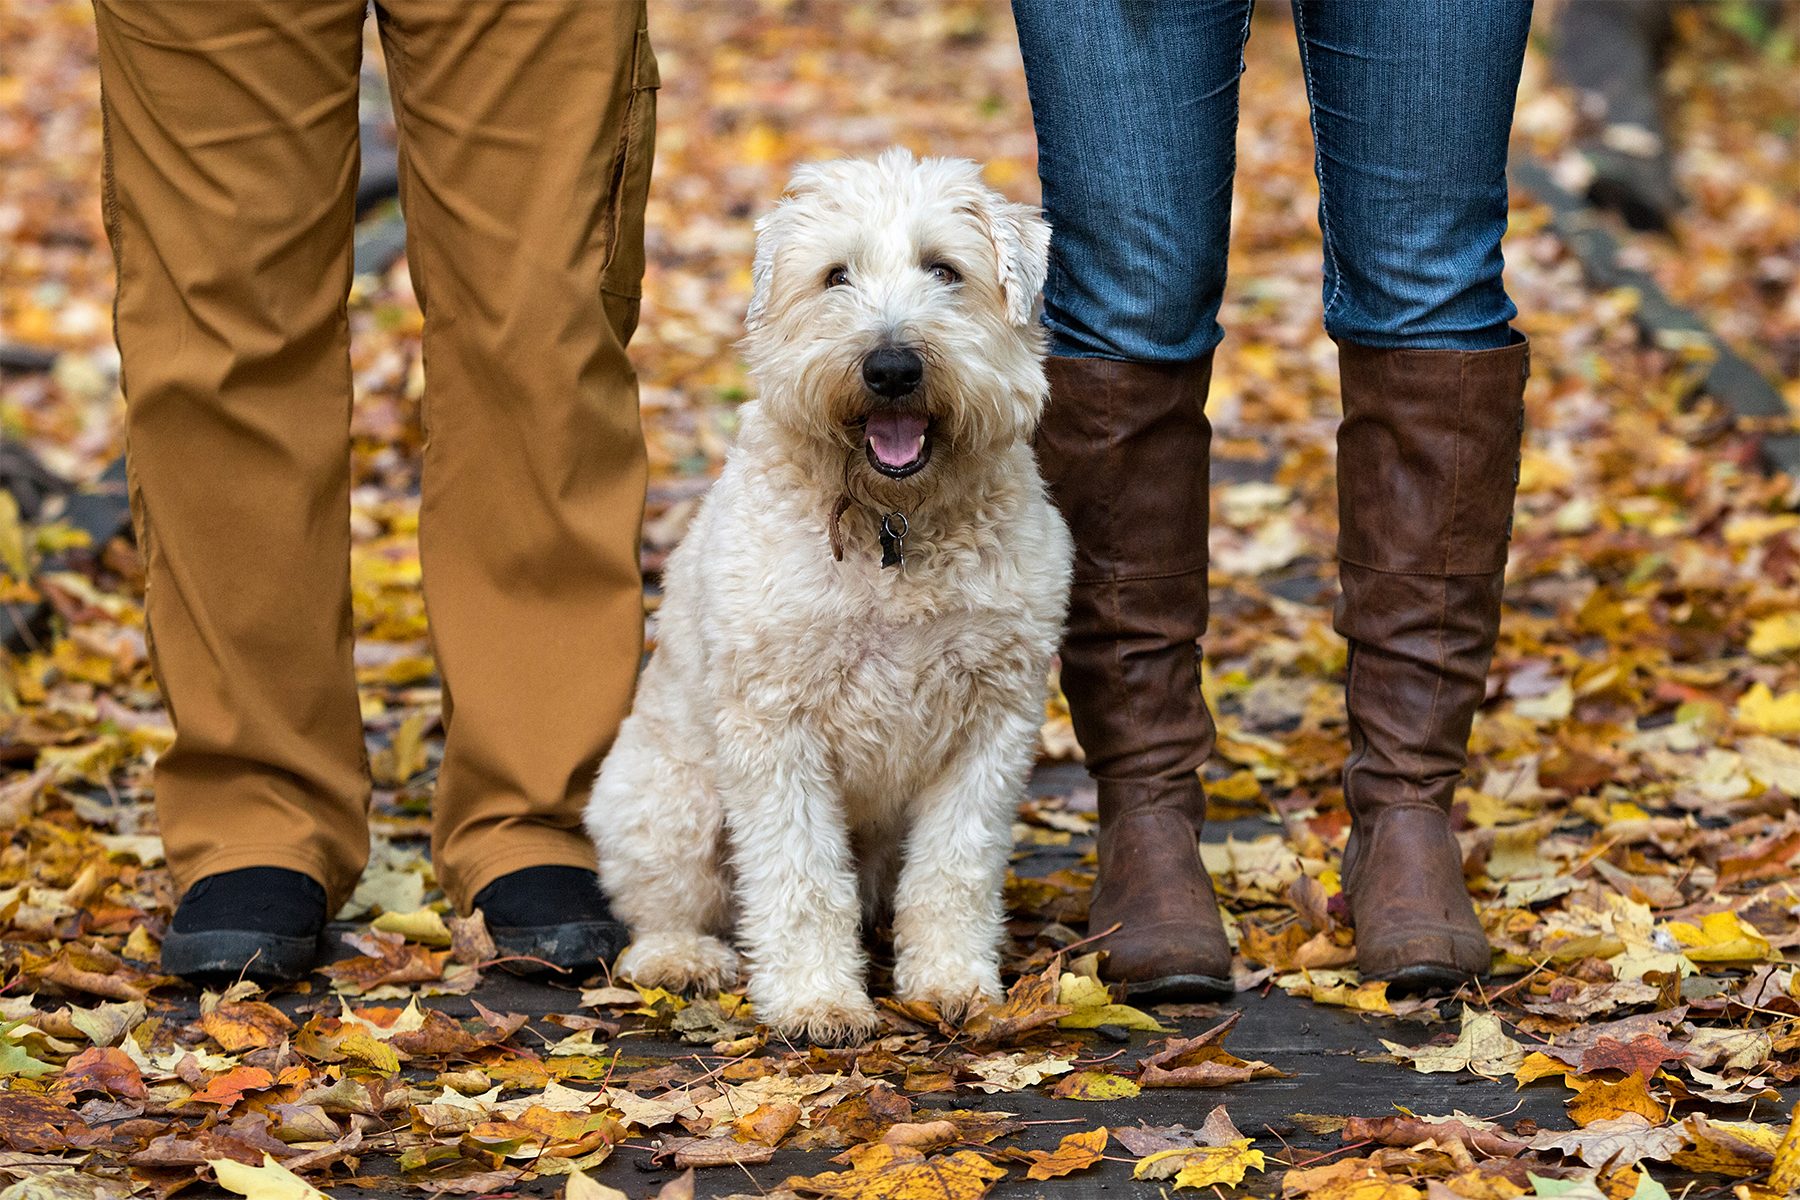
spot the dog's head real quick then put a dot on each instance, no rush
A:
(893, 312)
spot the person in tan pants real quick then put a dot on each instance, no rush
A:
(526, 134)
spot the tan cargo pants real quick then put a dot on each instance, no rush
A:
(526, 141)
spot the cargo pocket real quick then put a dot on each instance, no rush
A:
(624, 273)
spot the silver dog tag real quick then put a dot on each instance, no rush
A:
(893, 540)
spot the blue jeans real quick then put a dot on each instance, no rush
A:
(1136, 106)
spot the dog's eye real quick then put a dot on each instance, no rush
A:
(944, 273)
(837, 277)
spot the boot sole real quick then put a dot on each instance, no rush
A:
(1180, 987)
(1426, 978)
(214, 954)
(567, 947)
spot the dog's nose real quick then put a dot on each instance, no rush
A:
(893, 371)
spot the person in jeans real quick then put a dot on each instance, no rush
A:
(1136, 108)
(231, 168)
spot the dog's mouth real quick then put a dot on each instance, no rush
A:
(897, 441)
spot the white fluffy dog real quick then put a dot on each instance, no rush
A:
(850, 672)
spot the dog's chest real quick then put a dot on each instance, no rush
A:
(897, 688)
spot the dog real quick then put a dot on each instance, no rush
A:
(854, 642)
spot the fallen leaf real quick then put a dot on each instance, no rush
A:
(104, 1069)
(1076, 1152)
(246, 1025)
(1096, 1085)
(1090, 1004)
(1202, 1166)
(270, 1181)
(1482, 1046)
(1629, 1138)
(896, 1173)
(1603, 1101)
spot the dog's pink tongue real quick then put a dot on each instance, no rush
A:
(896, 437)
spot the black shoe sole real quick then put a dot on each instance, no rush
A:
(210, 955)
(1425, 979)
(573, 946)
(1166, 988)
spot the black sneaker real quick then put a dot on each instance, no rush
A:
(557, 914)
(262, 923)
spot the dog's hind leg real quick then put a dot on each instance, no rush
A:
(948, 908)
(656, 821)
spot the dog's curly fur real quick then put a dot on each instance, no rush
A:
(817, 739)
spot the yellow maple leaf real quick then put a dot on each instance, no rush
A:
(271, 1181)
(365, 1048)
(1093, 1005)
(1776, 636)
(1210, 1165)
(1721, 937)
(883, 1172)
(424, 926)
(1762, 710)
(1096, 1085)
(1538, 1065)
(1737, 1148)
(1603, 1101)
(1364, 997)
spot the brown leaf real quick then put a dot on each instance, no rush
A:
(1410, 1131)
(470, 942)
(716, 1151)
(196, 1149)
(387, 958)
(33, 1122)
(924, 1136)
(1030, 1005)
(442, 1035)
(1202, 1062)
(1643, 1056)
(104, 1069)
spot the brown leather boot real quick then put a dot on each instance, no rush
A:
(1427, 466)
(1124, 448)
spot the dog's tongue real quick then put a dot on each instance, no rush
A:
(896, 437)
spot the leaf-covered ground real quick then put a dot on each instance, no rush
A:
(1629, 820)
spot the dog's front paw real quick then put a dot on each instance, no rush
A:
(681, 962)
(838, 1021)
(955, 993)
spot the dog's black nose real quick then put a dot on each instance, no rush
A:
(893, 371)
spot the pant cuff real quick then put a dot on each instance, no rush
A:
(338, 882)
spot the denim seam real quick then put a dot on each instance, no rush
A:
(1312, 119)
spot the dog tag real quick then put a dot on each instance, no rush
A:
(893, 540)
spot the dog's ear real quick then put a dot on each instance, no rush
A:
(771, 232)
(1021, 240)
(762, 268)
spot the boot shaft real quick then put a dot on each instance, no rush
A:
(1427, 470)
(1124, 448)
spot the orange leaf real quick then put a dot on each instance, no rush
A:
(1076, 1152)
(227, 1089)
